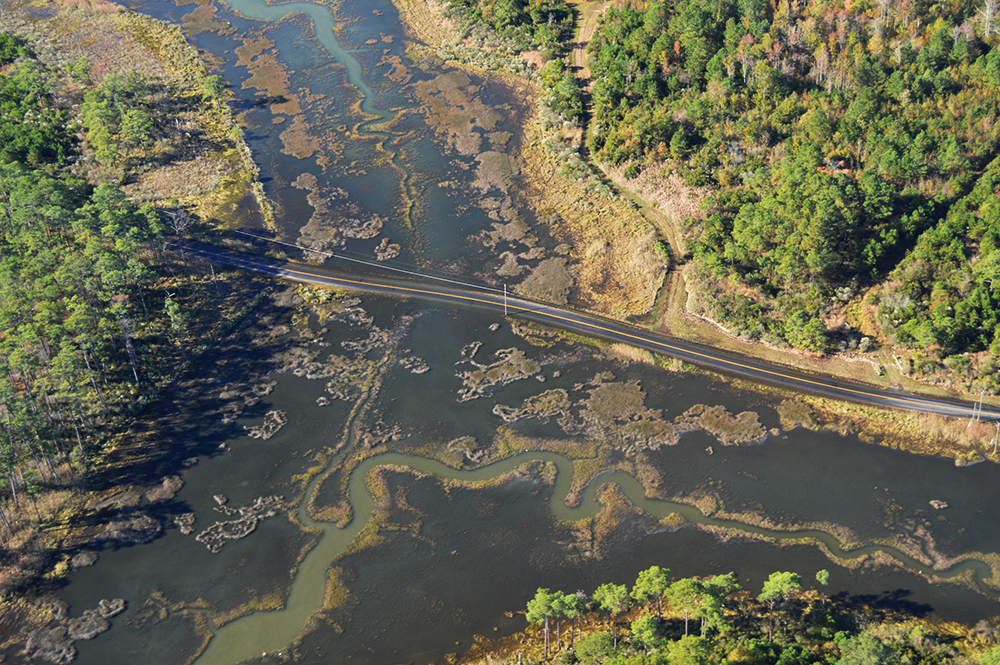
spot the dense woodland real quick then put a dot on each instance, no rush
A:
(852, 150)
(851, 144)
(88, 328)
(694, 621)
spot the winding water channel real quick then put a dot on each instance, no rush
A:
(449, 559)
(273, 631)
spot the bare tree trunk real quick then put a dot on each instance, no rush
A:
(142, 299)
(3, 516)
(86, 359)
(132, 358)
(38, 464)
(34, 502)
(13, 488)
(988, 14)
(79, 441)
(82, 415)
(52, 468)
(215, 280)
(126, 325)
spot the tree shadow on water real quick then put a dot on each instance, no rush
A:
(891, 601)
(186, 422)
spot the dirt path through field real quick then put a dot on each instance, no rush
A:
(589, 13)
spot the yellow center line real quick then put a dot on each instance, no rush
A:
(619, 333)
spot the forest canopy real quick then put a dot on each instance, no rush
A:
(852, 148)
(524, 24)
(87, 328)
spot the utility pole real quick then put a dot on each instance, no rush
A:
(505, 300)
(977, 409)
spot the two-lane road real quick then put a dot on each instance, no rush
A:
(593, 326)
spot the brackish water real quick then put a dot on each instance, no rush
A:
(450, 560)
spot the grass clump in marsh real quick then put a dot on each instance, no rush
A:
(464, 449)
(549, 282)
(632, 354)
(541, 407)
(617, 517)
(616, 412)
(794, 413)
(616, 402)
(338, 593)
(730, 430)
(511, 365)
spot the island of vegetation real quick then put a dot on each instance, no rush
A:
(695, 621)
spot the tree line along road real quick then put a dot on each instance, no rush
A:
(593, 326)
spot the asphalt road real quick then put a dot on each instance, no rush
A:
(593, 326)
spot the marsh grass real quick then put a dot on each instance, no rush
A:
(338, 592)
(795, 413)
(729, 430)
(541, 407)
(616, 402)
(202, 19)
(632, 354)
(618, 517)
(584, 470)
(511, 365)
(921, 433)
(615, 270)
(549, 282)
(673, 203)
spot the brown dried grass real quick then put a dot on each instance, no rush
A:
(99, 6)
(452, 107)
(616, 271)
(298, 140)
(631, 353)
(271, 77)
(202, 19)
(251, 49)
(426, 20)
(665, 192)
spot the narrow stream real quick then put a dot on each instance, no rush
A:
(323, 25)
(273, 631)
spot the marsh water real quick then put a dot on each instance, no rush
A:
(367, 144)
